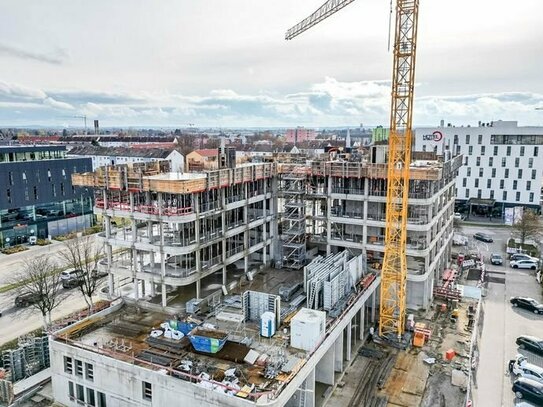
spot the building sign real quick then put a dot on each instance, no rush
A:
(509, 216)
(435, 136)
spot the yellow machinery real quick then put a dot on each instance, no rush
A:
(394, 270)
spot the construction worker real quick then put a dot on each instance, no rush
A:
(372, 331)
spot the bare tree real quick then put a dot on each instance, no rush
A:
(38, 285)
(83, 254)
(528, 226)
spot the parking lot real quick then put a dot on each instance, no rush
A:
(502, 322)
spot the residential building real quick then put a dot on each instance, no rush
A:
(102, 156)
(37, 197)
(300, 134)
(502, 167)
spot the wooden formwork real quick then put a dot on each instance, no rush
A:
(174, 186)
(84, 179)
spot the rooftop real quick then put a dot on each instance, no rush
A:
(120, 152)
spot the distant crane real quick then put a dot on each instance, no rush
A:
(84, 120)
(394, 271)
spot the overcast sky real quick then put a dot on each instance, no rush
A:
(225, 63)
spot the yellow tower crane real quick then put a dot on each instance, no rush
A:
(394, 271)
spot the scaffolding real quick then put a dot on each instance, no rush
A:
(293, 236)
(31, 356)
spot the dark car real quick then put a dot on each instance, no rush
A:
(26, 299)
(73, 278)
(97, 274)
(496, 259)
(528, 389)
(483, 237)
(527, 303)
(530, 343)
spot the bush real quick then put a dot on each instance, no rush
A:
(14, 249)
(92, 230)
(42, 242)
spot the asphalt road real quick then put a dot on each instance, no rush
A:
(503, 323)
(16, 322)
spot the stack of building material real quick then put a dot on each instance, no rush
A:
(307, 328)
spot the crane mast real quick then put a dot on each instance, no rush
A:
(394, 272)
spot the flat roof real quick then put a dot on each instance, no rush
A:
(30, 149)
(177, 176)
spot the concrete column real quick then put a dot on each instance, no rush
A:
(246, 232)
(152, 289)
(131, 198)
(111, 285)
(373, 307)
(163, 275)
(324, 371)
(197, 235)
(361, 324)
(338, 354)
(349, 339)
(164, 297)
(265, 225)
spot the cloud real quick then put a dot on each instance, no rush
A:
(330, 102)
(56, 57)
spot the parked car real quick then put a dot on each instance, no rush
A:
(527, 303)
(522, 256)
(524, 264)
(520, 367)
(72, 278)
(26, 299)
(483, 237)
(528, 389)
(97, 274)
(530, 343)
(458, 216)
(496, 259)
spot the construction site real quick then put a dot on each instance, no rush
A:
(260, 283)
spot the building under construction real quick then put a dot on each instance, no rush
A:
(244, 285)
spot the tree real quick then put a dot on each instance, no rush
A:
(528, 226)
(38, 285)
(83, 254)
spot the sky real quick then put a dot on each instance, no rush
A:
(225, 63)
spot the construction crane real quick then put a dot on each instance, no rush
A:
(84, 120)
(394, 270)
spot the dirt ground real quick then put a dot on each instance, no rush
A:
(440, 393)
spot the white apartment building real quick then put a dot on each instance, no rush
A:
(103, 156)
(502, 161)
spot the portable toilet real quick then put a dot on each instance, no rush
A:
(267, 324)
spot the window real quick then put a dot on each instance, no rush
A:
(536, 151)
(470, 150)
(506, 174)
(64, 173)
(528, 185)
(467, 193)
(479, 193)
(480, 139)
(508, 150)
(24, 177)
(489, 183)
(518, 197)
(495, 150)
(467, 138)
(68, 365)
(504, 162)
(10, 175)
(78, 368)
(464, 182)
(517, 162)
(490, 161)
(478, 161)
(35, 193)
(91, 400)
(53, 190)
(457, 149)
(89, 371)
(80, 393)
(147, 391)
(71, 392)
(466, 160)
(515, 182)
(502, 183)
(455, 139)
(519, 173)
(522, 151)
(530, 162)
(468, 172)
(26, 194)
(481, 172)
(48, 174)
(493, 172)
(504, 196)
(534, 174)
(8, 195)
(476, 182)
(492, 194)
(101, 399)
(531, 196)
(62, 191)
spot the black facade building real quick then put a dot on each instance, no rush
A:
(37, 199)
